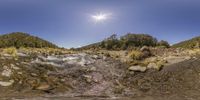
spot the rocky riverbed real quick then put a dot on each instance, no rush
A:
(93, 76)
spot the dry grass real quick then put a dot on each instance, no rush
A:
(136, 55)
(11, 51)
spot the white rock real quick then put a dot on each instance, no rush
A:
(3, 83)
(137, 68)
(188, 57)
(152, 66)
(21, 54)
(70, 58)
(53, 58)
(14, 67)
(6, 72)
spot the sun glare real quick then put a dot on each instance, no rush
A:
(100, 17)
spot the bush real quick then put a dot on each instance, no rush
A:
(107, 55)
(163, 43)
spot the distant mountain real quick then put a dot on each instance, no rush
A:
(192, 43)
(19, 39)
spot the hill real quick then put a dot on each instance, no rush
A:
(128, 41)
(19, 39)
(191, 43)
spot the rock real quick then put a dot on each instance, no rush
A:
(21, 54)
(96, 57)
(88, 78)
(14, 67)
(6, 72)
(144, 48)
(34, 74)
(146, 51)
(104, 57)
(3, 83)
(153, 66)
(174, 59)
(19, 73)
(188, 58)
(7, 55)
(93, 69)
(43, 86)
(137, 68)
(152, 59)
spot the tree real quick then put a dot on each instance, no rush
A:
(163, 43)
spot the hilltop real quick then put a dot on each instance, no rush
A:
(191, 43)
(20, 39)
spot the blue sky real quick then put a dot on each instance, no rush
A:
(69, 23)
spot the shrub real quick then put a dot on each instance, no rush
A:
(163, 43)
(107, 54)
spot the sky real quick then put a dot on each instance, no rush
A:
(74, 23)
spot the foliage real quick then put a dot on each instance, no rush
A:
(163, 43)
(128, 41)
(110, 43)
(19, 39)
(137, 40)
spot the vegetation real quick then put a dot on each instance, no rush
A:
(192, 43)
(128, 41)
(136, 55)
(163, 43)
(19, 39)
(11, 51)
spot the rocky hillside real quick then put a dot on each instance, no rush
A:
(19, 39)
(192, 43)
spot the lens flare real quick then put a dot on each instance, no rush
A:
(100, 17)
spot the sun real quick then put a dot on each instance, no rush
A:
(100, 17)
